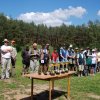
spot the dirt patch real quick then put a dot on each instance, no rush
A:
(23, 93)
(97, 97)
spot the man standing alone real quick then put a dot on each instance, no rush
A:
(5, 59)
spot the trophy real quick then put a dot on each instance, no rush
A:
(52, 72)
(62, 69)
(57, 71)
(66, 67)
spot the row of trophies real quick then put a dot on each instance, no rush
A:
(58, 68)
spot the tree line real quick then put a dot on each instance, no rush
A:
(27, 33)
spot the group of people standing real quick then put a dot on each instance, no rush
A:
(85, 61)
(8, 54)
(34, 60)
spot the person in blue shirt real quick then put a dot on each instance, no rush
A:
(64, 55)
(71, 57)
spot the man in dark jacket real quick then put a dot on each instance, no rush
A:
(25, 60)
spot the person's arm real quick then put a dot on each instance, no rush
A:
(77, 57)
(61, 54)
(3, 49)
(15, 52)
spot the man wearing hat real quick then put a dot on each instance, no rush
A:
(76, 63)
(71, 57)
(13, 57)
(5, 59)
(80, 62)
(44, 59)
(34, 58)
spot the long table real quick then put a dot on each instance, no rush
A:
(51, 79)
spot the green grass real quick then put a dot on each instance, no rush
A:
(80, 87)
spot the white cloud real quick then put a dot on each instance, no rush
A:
(7, 17)
(98, 13)
(55, 18)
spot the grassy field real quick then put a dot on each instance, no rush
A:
(84, 88)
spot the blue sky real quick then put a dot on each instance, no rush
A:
(52, 12)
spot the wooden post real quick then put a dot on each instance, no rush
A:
(32, 89)
(68, 88)
(52, 85)
(50, 89)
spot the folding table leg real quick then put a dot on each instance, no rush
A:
(52, 85)
(68, 88)
(50, 89)
(32, 89)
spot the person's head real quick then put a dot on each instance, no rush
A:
(12, 42)
(55, 50)
(47, 46)
(27, 48)
(76, 49)
(88, 48)
(93, 50)
(35, 45)
(64, 46)
(81, 50)
(71, 46)
(6, 41)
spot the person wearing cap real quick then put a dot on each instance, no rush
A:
(13, 57)
(80, 62)
(41, 60)
(44, 58)
(76, 63)
(47, 57)
(34, 58)
(71, 57)
(88, 51)
(5, 59)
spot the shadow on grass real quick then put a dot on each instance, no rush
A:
(45, 95)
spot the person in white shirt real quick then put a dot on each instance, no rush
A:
(5, 59)
(13, 57)
(94, 61)
(98, 63)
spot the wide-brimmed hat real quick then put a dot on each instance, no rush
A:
(71, 46)
(47, 44)
(93, 49)
(5, 40)
(34, 44)
(76, 48)
(81, 49)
